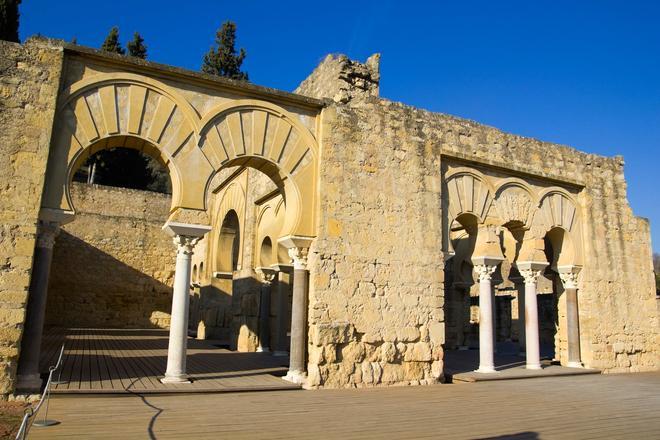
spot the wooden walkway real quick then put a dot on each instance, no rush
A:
(577, 407)
(132, 361)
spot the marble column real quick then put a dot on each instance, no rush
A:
(28, 378)
(280, 344)
(569, 278)
(185, 237)
(531, 271)
(484, 270)
(267, 276)
(297, 353)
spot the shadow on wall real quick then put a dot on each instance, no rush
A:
(228, 310)
(90, 288)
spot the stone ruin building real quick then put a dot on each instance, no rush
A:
(363, 238)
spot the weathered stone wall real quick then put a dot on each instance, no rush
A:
(376, 300)
(29, 81)
(342, 79)
(113, 266)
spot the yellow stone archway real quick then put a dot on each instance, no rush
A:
(265, 136)
(129, 110)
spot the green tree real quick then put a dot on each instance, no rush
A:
(9, 20)
(111, 43)
(136, 47)
(223, 60)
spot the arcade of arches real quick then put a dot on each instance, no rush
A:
(360, 237)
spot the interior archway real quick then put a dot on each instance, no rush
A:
(229, 243)
(559, 252)
(266, 253)
(460, 300)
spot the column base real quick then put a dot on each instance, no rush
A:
(533, 367)
(29, 383)
(485, 370)
(297, 377)
(280, 353)
(575, 365)
(263, 349)
(175, 379)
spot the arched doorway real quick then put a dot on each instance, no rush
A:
(96, 112)
(213, 316)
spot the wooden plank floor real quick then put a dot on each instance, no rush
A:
(577, 407)
(125, 361)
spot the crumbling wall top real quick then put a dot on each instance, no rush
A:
(341, 79)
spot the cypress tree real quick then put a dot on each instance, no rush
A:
(111, 43)
(136, 47)
(9, 20)
(223, 60)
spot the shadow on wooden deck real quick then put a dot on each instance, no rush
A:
(102, 361)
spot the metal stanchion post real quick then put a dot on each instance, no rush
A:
(46, 395)
(59, 380)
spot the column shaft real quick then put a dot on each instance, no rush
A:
(178, 342)
(520, 287)
(532, 342)
(281, 345)
(298, 324)
(264, 318)
(28, 378)
(573, 329)
(494, 310)
(486, 357)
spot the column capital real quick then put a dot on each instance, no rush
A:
(299, 257)
(266, 274)
(485, 266)
(185, 235)
(531, 270)
(484, 272)
(185, 244)
(46, 234)
(569, 276)
(298, 247)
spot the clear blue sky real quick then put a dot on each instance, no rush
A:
(585, 74)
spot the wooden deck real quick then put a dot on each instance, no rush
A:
(580, 407)
(133, 361)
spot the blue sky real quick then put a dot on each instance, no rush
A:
(585, 74)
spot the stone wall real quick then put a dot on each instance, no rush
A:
(113, 266)
(376, 294)
(29, 81)
(342, 79)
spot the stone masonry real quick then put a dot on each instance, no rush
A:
(396, 202)
(113, 266)
(29, 82)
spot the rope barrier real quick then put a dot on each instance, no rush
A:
(31, 414)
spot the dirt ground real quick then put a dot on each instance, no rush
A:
(11, 414)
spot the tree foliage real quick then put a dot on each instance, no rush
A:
(111, 43)
(223, 60)
(126, 168)
(9, 20)
(136, 47)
